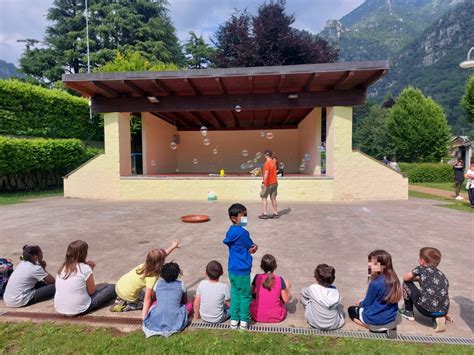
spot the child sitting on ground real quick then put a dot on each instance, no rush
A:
(322, 301)
(169, 314)
(76, 291)
(432, 298)
(129, 287)
(211, 303)
(240, 264)
(271, 293)
(380, 305)
(30, 282)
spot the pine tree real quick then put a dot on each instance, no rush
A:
(198, 53)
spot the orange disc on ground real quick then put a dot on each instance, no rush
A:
(195, 218)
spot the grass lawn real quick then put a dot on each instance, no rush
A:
(450, 203)
(47, 338)
(10, 198)
(447, 186)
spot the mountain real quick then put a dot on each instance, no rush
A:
(8, 70)
(378, 29)
(431, 62)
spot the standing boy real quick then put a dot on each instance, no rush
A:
(432, 298)
(240, 264)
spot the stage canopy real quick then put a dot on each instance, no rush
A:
(234, 98)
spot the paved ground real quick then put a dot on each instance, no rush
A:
(438, 192)
(340, 234)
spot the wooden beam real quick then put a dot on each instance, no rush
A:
(269, 118)
(236, 121)
(373, 78)
(180, 117)
(218, 119)
(195, 119)
(161, 86)
(346, 76)
(281, 81)
(134, 87)
(79, 88)
(287, 117)
(163, 117)
(228, 102)
(251, 117)
(222, 88)
(311, 80)
(105, 88)
(192, 86)
(248, 128)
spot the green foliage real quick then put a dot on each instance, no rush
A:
(133, 61)
(198, 52)
(121, 26)
(30, 110)
(371, 135)
(39, 163)
(467, 101)
(427, 172)
(417, 128)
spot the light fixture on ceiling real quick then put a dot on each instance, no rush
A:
(468, 63)
(153, 99)
(292, 96)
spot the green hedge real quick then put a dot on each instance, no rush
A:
(27, 164)
(427, 172)
(30, 110)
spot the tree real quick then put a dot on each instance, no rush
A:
(133, 61)
(198, 52)
(114, 26)
(417, 127)
(371, 135)
(467, 101)
(268, 39)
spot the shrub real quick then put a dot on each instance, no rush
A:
(427, 172)
(30, 110)
(27, 164)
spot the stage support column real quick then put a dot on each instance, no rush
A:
(338, 138)
(117, 141)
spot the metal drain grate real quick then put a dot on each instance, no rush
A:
(255, 328)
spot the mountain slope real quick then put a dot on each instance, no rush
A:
(378, 29)
(431, 62)
(8, 70)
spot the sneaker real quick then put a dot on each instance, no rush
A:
(118, 306)
(234, 324)
(244, 325)
(406, 314)
(459, 198)
(439, 324)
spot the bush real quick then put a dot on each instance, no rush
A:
(427, 172)
(30, 110)
(39, 163)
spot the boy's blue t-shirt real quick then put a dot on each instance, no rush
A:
(376, 310)
(239, 242)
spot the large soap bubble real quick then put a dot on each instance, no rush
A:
(206, 141)
(214, 151)
(238, 108)
(245, 153)
(195, 161)
(173, 145)
(258, 155)
(203, 131)
(302, 168)
(306, 157)
(269, 135)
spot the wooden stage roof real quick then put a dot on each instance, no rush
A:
(234, 98)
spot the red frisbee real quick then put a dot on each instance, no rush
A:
(195, 218)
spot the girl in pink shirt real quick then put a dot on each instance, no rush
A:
(271, 293)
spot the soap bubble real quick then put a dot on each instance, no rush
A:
(262, 134)
(269, 135)
(177, 170)
(206, 141)
(214, 151)
(238, 108)
(173, 145)
(302, 168)
(258, 155)
(255, 160)
(245, 153)
(195, 161)
(243, 166)
(153, 163)
(281, 165)
(306, 157)
(203, 131)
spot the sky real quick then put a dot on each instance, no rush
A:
(20, 19)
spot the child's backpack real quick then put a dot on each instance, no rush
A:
(6, 269)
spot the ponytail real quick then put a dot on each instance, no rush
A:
(269, 281)
(268, 265)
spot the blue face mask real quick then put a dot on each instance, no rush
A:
(243, 221)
